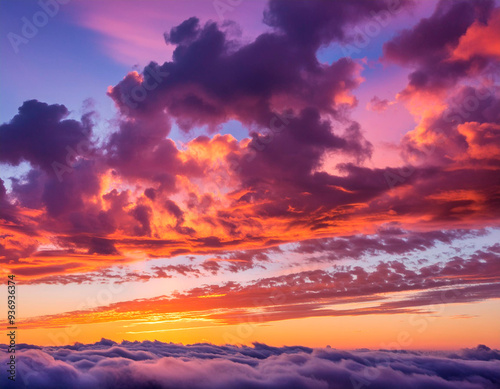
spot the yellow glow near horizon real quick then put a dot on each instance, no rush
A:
(456, 326)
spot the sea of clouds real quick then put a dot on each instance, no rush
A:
(138, 365)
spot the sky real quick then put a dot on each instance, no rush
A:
(302, 173)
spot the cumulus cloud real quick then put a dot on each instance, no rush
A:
(41, 135)
(137, 365)
(430, 43)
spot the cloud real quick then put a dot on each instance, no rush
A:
(310, 293)
(430, 43)
(390, 239)
(212, 78)
(378, 105)
(41, 135)
(476, 40)
(139, 194)
(106, 364)
(180, 269)
(311, 24)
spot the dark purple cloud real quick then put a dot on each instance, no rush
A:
(314, 23)
(279, 172)
(429, 44)
(68, 195)
(94, 244)
(41, 135)
(138, 365)
(212, 78)
(142, 213)
(175, 211)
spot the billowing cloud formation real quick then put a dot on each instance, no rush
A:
(41, 135)
(211, 80)
(137, 365)
(430, 44)
(302, 172)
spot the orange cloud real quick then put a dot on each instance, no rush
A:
(480, 39)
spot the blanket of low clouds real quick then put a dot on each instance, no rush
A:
(321, 172)
(147, 364)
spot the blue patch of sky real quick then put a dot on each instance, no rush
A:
(61, 64)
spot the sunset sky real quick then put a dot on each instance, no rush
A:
(304, 173)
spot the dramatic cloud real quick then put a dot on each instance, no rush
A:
(211, 80)
(311, 24)
(307, 294)
(137, 365)
(390, 239)
(429, 46)
(236, 180)
(41, 135)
